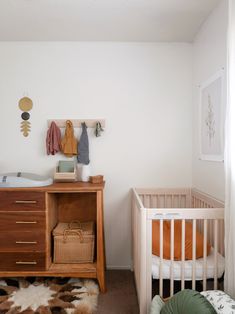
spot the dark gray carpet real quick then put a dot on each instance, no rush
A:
(120, 297)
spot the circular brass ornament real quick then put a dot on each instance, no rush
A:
(25, 104)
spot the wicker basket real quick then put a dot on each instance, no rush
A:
(74, 242)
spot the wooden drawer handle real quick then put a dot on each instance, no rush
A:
(26, 263)
(26, 222)
(26, 242)
(25, 202)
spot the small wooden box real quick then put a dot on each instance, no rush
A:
(65, 176)
(96, 179)
(74, 242)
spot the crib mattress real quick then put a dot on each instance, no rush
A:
(188, 267)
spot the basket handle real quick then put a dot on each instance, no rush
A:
(79, 225)
(77, 232)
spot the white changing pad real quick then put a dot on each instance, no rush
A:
(188, 266)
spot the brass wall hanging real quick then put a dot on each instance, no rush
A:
(25, 105)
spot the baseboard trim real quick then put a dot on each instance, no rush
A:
(115, 267)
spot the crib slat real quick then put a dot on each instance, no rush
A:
(221, 237)
(172, 258)
(204, 254)
(182, 254)
(137, 234)
(145, 200)
(161, 259)
(194, 254)
(211, 230)
(216, 253)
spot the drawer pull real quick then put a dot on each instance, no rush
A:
(26, 222)
(25, 202)
(26, 263)
(26, 242)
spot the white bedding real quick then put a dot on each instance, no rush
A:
(188, 266)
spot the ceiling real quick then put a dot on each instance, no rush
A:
(103, 20)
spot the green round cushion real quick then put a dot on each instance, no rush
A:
(188, 302)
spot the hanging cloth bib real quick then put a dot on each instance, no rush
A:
(83, 146)
(69, 143)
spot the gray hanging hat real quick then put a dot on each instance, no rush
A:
(83, 146)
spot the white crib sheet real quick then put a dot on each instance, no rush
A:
(188, 266)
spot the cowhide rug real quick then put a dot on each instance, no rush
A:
(47, 296)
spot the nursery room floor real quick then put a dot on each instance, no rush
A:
(120, 297)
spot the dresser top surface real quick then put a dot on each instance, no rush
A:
(61, 187)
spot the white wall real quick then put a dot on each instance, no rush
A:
(209, 56)
(144, 91)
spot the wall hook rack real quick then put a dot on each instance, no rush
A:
(90, 123)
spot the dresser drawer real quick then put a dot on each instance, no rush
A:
(15, 241)
(12, 201)
(22, 221)
(22, 261)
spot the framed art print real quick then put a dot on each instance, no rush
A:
(211, 118)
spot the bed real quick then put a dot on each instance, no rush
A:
(189, 206)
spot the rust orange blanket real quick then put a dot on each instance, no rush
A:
(177, 240)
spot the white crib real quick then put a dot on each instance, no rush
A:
(205, 213)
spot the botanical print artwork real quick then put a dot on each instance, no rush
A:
(211, 120)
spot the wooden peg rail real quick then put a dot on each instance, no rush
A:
(90, 123)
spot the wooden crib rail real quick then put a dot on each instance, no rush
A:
(172, 191)
(203, 200)
(166, 198)
(185, 213)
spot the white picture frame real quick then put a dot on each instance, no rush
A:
(211, 118)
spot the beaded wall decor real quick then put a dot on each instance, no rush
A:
(25, 105)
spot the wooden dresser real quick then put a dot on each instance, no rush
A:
(27, 218)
